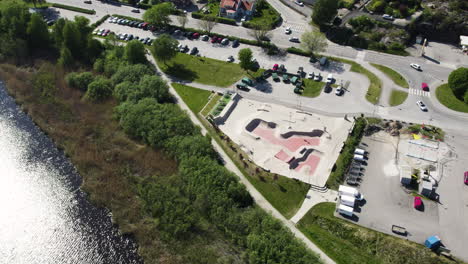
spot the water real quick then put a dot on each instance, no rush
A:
(44, 216)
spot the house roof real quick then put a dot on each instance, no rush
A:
(228, 4)
(247, 5)
(232, 4)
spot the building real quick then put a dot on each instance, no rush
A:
(464, 43)
(236, 8)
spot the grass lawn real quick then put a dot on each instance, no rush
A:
(213, 101)
(375, 87)
(312, 88)
(347, 243)
(266, 16)
(285, 194)
(194, 98)
(446, 97)
(202, 70)
(393, 75)
(397, 97)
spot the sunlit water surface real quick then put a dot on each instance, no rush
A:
(44, 216)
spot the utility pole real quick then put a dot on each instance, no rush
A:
(423, 47)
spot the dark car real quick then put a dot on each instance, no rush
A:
(149, 42)
(235, 43)
(136, 10)
(196, 35)
(188, 34)
(466, 177)
(214, 39)
(282, 68)
(88, 2)
(194, 51)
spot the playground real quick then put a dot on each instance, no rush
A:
(287, 141)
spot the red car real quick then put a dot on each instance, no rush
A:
(417, 202)
(275, 67)
(214, 39)
(466, 177)
(195, 35)
(425, 87)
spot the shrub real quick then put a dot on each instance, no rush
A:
(100, 21)
(362, 23)
(297, 51)
(378, 6)
(79, 80)
(74, 8)
(99, 89)
(458, 82)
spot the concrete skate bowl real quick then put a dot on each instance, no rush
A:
(306, 160)
(292, 140)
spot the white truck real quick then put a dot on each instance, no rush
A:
(347, 200)
(345, 210)
(350, 191)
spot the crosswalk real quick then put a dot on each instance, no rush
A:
(297, 27)
(419, 92)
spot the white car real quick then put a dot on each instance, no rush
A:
(339, 91)
(422, 106)
(287, 31)
(230, 59)
(317, 77)
(330, 78)
(415, 66)
(299, 3)
(311, 75)
(388, 17)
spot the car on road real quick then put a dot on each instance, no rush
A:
(230, 59)
(275, 67)
(425, 87)
(415, 66)
(330, 78)
(317, 77)
(287, 31)
(135, 10)
(466, 177)
(387, 17)
(311, 75)
(299, 3)
(421, 105)
(87, 2)
(417, 203)
(242, 86)
(294, 39)
(194, 51)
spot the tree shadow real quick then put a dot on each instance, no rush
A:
(179, 71)
(265, 87)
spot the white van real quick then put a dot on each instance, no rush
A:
(350, 191)
(347, 200)
(345, 210)
(359, 151)
(359, 157)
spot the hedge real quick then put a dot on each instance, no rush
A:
(74, 8)
(100, 21)
(297, 51)
(222, 20)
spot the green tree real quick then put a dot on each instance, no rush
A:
(71, 39)
(458, 82)
(313, 42)
(165, 48)
(159, 15)
(79, 80)
(131, 73)
(57, 32)
(135, 52)
(66, 59)
(152, 86)
(465, 98)
(124, 90)
(99, 89)
(245, 58)
(324, 11)
(38, 34)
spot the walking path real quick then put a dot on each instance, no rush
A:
(257, 196)
(313, 198)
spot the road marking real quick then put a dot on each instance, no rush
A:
(296, 27)
(419, 92)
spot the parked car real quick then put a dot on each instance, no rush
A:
(95, 31)
(317, 77)
(425, 87)
(106, 32)
(235, 43)
(294, 39)
(242, 86)
(225, 41)
(387, 17)
(194, 51)
(299, 3)
(149, 42)
(415, 66)
(230, 59)
(466, 177)
(213, 39)
(275, 67)
(422, 106)
(311, 75)
(330, 78)
(282, 68)
(205, 38)
(177, 32)
(417, 202)
(339, 91)
(136, 10)
(287, 31)
(196, 35)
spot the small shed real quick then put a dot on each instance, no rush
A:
(432, 242)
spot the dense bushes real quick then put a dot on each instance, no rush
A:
(74, 8)
(79, 80)
(458, 83)
(346, 156)
(99, 89)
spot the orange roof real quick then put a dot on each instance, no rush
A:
(228, 4)
(247, 5)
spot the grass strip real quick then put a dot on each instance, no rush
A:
(285, 194)
(193, 97)
(446, 97)
(74, 8)
(397, 97)
(346, 156)
(312, 88)
(347, 243)
(393, 75)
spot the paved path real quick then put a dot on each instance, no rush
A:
(313, 198)
(257, 196)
